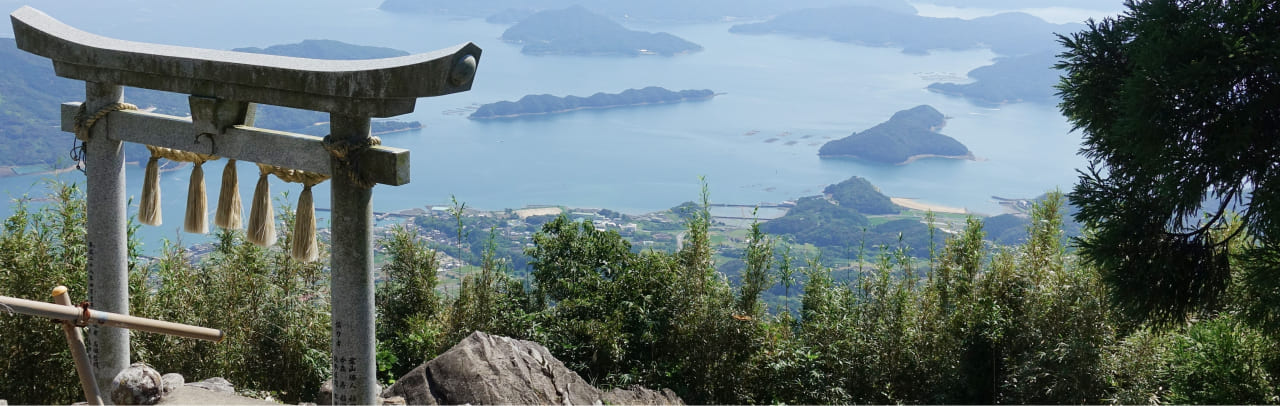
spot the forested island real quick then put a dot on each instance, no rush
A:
(908, 135)
(577, 31)
(548, 104)
(30, 96)
(1026, 78)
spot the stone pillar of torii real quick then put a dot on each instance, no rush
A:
(224, 86)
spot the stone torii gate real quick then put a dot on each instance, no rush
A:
(224, 87)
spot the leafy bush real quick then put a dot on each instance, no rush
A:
(1221, 361)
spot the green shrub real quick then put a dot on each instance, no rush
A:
(1220, 361)
(273, 310)
(40, 249)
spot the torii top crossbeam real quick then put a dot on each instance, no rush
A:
(223, 88)
(373, 88)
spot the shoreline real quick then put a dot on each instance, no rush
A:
(910, 159)
(11, 171)
(913, 158)
(398, 130)
(913, 204)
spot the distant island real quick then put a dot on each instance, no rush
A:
(577, 31)
(326, 49)
(1027, 78)
(1006, 34)
(548, 104)
(314, 122)
(908, 135)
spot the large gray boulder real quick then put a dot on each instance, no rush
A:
(486, 370)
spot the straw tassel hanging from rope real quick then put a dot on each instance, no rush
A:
(149, 207)
(197, 202)
(305, 247)
(262, 218)
(197, 207)
(261, 221)
(229, 208)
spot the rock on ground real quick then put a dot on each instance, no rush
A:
(139, 384)
(639, 395)
(216, 384)
(169, 383)
(485, 369)
(194, 395)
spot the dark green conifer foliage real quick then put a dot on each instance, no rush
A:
(1179, 103)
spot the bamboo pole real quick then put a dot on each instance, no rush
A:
(83, 368)
(86, 316)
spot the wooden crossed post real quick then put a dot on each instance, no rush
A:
(73, 316)
(223, 87)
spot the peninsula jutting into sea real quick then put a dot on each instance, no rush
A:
(547, 104)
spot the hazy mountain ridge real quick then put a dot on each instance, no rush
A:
(1006, 33)
(655, 10)
(1017, 4)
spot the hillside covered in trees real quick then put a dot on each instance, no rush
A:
(837, 220)
(30, 99)
(909, 134)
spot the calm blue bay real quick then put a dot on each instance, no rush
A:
(800, 91)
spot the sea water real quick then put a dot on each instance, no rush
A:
(799, 92)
